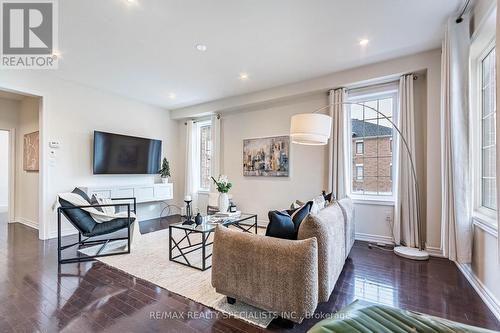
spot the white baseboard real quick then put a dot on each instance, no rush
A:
(435, 251)
(488, 298)
(262, 223)
(64, 233)
(373, 238)
(26, 222)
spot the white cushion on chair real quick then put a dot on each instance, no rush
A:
(108, 210)
(98, 216)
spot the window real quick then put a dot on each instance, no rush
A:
(359, 171)
(484, 132)
(371, 149)
(360, 147)
(483, 123)
(204, 132)
(488, 131)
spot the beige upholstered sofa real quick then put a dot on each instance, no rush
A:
(288, 277)
(348, 211)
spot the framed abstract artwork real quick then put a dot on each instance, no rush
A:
(266, 157)
(31, 150)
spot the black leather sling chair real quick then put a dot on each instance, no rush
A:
(88, 228)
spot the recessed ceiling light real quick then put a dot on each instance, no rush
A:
(243, 76)
(131, 1)
(364, 42)
(201, 47)
(171, 96)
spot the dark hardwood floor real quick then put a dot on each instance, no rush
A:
(36, 296)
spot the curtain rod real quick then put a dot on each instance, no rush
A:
(205, 118)
(380, 84)
(460, 17)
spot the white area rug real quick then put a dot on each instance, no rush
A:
(148, 260)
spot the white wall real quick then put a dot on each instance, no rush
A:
(71, 112)
(480, 11)
(268, 113)
(4, 170)
(308, 170)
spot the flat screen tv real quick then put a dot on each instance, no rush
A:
(122, 154)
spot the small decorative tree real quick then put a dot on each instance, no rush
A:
(165, 169)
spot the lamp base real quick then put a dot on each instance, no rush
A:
(411, 253)
(188, 222)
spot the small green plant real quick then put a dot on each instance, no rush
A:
(165, 169)
(223, 184)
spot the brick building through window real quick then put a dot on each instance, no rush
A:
(371, 148)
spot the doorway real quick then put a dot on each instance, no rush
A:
(19, 160)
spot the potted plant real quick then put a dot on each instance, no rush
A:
(223, 186)
(164, 171)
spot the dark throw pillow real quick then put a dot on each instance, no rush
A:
(298, 215)
(280, 225)
(84, 195)
(286, 224)
(328, 197)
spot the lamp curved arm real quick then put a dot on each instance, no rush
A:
(408, 151)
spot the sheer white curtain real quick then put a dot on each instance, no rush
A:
(405, 228)
(190, 182)
(338, 153)
(215, 161)
(497, 61)
(456, 213)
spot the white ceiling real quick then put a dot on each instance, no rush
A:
(147, 50)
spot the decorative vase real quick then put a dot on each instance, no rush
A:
(198, 219)
(223, 202)
(164, 180)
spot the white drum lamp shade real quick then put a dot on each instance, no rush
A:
(311, 128)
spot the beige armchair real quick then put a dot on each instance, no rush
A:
(288, 277)
(273, 274)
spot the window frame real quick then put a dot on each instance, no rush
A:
(199, 125)
(383, 91)
(360, 165)
(362, 145)
(481, 214)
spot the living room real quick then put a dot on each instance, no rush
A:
(247, 166)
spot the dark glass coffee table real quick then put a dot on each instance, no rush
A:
(187, 241)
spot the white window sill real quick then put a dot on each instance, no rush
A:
(486, 223)
(364, 200)
(204, 192)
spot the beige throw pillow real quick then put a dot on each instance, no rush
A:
(318, 204)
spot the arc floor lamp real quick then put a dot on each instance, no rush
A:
(315, 128)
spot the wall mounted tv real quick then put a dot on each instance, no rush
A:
(122, 154)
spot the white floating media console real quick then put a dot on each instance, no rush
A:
(143, 193)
